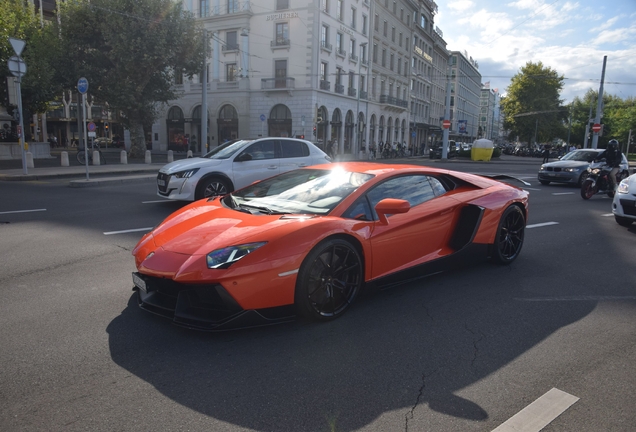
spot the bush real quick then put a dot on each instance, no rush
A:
(496, 152)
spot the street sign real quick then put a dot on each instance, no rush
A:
(17, 66)
(18, 45)
(262, 117)
(91, 127)
(82, 85)
(92, 134)
(446, 124)
(596, 128)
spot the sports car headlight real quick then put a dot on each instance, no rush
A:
(223, 258)
(623, 187)
(542, 168)
(186, 174)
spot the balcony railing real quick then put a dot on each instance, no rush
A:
(341, 52)
(365, 62)
(326, 45)
(230, 7)
(353, 57)
(280, 42)
(339, 89)
(230, 47)
(351, 92)
(390, 100)
(286, 83)
(324, 85)
(364, 95)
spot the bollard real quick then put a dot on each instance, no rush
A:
(29, 160)
(148, 157)
(64, 158)
(123, 157)
(189, 155)
(96, 160)
(170, 156)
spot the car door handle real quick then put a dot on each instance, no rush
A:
(302, 165)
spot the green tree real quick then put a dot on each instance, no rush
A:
(130, 51)
(532, 105)
(18, 20)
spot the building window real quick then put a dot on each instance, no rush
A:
(324, 37)
(280, 73)
(423, 21)
(282, 34)
(282, 4)
(178, 76)
(204, 8)
(324, 5)
(353, 18)
(339, 43)
(230, 71)
(232, 6)
(375, 53)
(393, 34)
(391, 62)
(363, 53)
(399, 65)
(352, 48)
(401, 14)
(401, 39)
(338, 76)
(376, 23)
(365, 20)
(383, 57)
(323, 71)
(340, 11)
(384, 30)
(352, 80)
(231, 41)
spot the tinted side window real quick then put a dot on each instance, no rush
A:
(360, 210)
(261, 150)
(437, 186)
(293, 149)
(415, 189)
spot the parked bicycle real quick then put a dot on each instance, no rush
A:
(81, 155)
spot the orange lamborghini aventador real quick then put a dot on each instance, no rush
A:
(306, 242)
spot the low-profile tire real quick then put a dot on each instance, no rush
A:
(623, 221)
(329, 280)
(211, 187)
(544, 182)
(587, 190)
(582, 178)
(510, 236)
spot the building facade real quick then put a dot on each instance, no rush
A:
(349, 72)
(465, 97)
(489, 113)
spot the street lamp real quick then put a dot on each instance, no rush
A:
(357, 134)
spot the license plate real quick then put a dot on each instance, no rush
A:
(551, 174)
(161, 182)
(139, 282)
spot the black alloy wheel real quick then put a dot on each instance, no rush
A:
(588, 189)
(329, 280)
(211, 187)
(510, 236)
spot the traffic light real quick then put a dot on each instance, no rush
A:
(106, 126)
(314, 130)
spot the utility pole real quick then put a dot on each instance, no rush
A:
(203, 139)
(599, 105)
(447, 110)
(587, 128)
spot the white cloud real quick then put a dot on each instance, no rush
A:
(461, 5)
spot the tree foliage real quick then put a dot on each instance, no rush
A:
(533, 105)
(129, 51)
(18, 20)
(618, 117)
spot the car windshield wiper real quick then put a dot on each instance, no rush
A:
(264, 209)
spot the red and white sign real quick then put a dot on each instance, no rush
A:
(596, 127)
(446, 124)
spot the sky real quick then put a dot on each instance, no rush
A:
(569, 36)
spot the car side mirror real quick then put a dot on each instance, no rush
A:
(390, 206)
(243, 157)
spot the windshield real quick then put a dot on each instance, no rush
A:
(226, 150)
(581, 155)
(305, 191)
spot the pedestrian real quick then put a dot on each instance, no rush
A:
(334, 148)
(572, 148)
(546, 153)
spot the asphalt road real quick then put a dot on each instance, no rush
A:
(461, 351)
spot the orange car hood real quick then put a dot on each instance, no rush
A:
(201, 229)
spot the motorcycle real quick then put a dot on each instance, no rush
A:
(598, 180)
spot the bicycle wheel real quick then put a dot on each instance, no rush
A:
(81, 157)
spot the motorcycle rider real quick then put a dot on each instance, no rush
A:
(613, 158)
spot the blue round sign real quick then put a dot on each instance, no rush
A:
(262, 117)
(82, 85)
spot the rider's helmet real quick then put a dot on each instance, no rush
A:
(612, 145)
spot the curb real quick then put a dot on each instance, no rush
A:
(109, 180)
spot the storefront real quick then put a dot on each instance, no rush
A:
(228, 124)
(175, 124)
(279, 123)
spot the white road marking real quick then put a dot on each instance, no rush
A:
(22, 211)
(607, 214)
(562, 193)
(541, 224)
(152, 202)
(128, 231)
(539, 413)
(532, 189)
